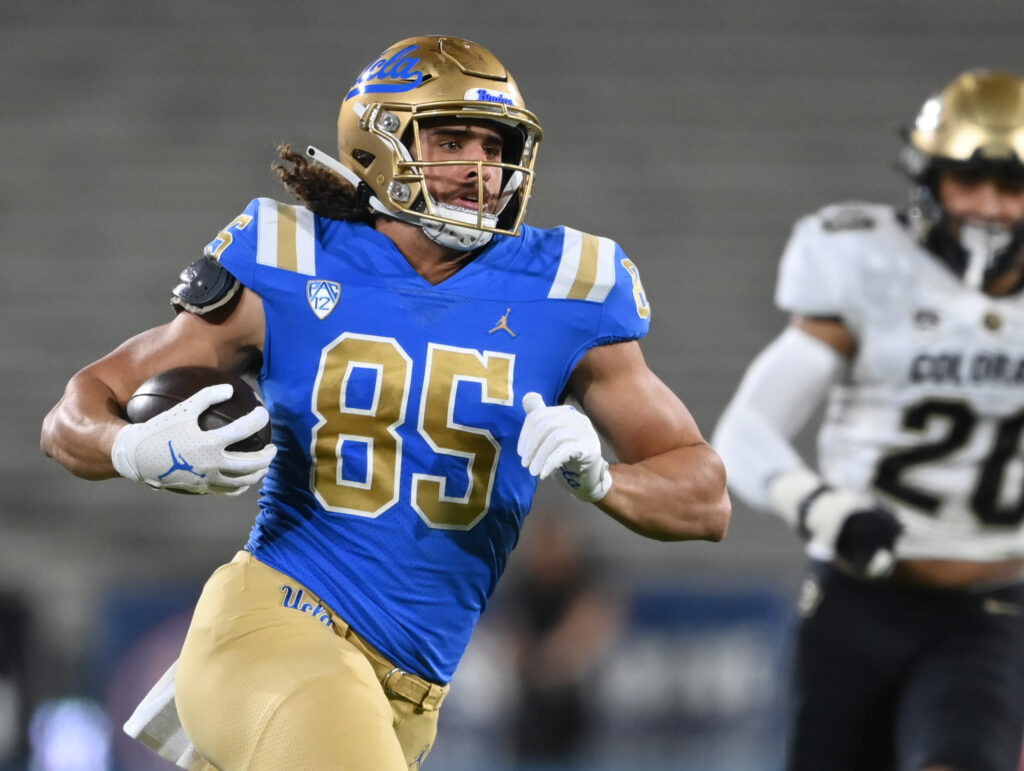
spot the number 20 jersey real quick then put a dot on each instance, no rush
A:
(397, 492)
(930, 414)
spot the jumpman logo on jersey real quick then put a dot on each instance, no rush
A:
(178, 463)
(503, 324)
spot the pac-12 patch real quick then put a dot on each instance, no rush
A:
(323, 296)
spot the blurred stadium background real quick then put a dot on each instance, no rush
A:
(692, 132)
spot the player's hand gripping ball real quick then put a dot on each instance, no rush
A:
(195, 430)
(173, 386)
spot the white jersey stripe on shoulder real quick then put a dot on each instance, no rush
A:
(286, 237)
(568, 265)
(305, 241)
(266, 240)
(587, 268)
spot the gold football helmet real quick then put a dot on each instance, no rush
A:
(974, 126)
(425, 78)
(978, 117)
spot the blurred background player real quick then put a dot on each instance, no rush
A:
(407, 334)
(561, 623)
(910, 649)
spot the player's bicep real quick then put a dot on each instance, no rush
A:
(633, 409)
(231, 343)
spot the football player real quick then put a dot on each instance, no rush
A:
(910, 648)
(414, 343)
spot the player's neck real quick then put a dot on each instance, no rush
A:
(434, 262)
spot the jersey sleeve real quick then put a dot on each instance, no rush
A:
(816, 273)
(236, 246)
(596, 271)
(627, 311)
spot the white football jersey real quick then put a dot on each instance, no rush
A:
(930, 414)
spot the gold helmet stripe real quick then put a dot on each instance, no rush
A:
(287, 237)
(586, 270)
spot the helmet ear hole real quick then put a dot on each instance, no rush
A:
(363, 158)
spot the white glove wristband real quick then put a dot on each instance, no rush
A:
(563, 438)
(815, 510)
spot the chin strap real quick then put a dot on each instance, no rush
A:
(456, 236)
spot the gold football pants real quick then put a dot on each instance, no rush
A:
(271, 679)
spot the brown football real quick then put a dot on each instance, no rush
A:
(168, 388)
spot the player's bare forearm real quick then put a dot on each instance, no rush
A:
(670, 484)
(678, 495)
(80, 429)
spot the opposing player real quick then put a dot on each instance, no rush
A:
(414, 343)
(910, 651)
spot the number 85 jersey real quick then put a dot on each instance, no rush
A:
(397, 493)
(930, 414)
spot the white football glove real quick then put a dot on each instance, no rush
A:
(563, 438)
(171, 451)
(861, 531)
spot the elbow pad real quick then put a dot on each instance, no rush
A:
(203, 286)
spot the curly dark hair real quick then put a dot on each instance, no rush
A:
(321, 190)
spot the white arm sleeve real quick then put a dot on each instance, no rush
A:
(778, 394)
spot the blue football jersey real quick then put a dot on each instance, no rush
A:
(397, 492)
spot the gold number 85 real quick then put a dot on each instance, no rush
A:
(375, 428)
